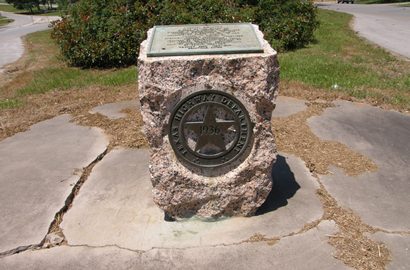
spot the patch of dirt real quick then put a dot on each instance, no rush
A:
(257, 237)
(293, 135)
(122, 132)
(302, 91)
(352, 247)
(78, 102)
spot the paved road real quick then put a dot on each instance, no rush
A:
(386, 25)
(11, 45)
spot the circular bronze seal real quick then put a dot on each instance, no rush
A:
(209, 128)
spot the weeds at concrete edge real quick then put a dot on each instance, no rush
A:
(353, 248)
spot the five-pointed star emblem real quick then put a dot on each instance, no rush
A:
(213, 138)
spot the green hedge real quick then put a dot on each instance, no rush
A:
(107, 33)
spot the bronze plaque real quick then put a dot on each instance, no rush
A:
(194, 39)
(209, 128)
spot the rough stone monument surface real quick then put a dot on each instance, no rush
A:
(207, 93)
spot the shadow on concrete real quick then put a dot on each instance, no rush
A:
(284, 187)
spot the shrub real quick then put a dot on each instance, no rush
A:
(102, 33)
(287, 24)
(107, 33)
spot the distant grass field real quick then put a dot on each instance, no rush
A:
(10, 8)
(4, 21)
(43, 12)
(339, 60)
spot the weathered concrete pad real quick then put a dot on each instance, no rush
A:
(115, 207)
(113, 110)
(399, 245)
(380, 198)
(308, 250)
(37, 173)
(286, 106)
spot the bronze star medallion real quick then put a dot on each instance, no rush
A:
(209, 128)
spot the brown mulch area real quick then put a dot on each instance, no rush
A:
(124, 132)
(352, 246)
(77, 102)
(293, 135)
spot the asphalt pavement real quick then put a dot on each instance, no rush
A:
(11, 45)
(387, 25)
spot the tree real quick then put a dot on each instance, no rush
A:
(25, 4)
(48, 3)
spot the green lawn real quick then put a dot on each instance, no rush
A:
(57, 78)
(341, 61)
(10, 8)
(4, 21)
(54, 75)
(338, 62)
(43, 12)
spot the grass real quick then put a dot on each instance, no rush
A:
(341, 61)
(43, 12)
(9, 103)
(4, 21)
(338, 62)
(51, 13)
(53, 75)
(57, 78)
(10, 8)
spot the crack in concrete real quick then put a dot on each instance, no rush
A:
(256, 238)
(58, 218)
(54, 227)
(352, 245)
(18, 250)
(402, 233)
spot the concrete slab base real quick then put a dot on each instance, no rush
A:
(113, 110)
(286, 106)
(37, 172)
(381, 198)
(115, 207)
(307, 250)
